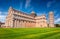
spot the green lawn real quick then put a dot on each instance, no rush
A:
(29, 33)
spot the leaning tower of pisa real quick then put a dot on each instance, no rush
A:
(51, 19)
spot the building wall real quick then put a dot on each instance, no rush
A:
(9, 18)
(41, 21)
(17, 19)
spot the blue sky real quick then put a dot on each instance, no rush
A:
(39, 6)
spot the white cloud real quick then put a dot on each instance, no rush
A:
(50, 3)
(5, 13)
(0, 12)
(3, 16)
(27, 3)
(21, 4)
(57, 20)
(56, 16)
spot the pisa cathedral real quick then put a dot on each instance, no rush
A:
(18, 19)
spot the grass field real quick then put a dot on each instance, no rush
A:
(29, 33)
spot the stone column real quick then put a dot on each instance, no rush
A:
(29, 24)
(24, 24)
(19, 24)
(15, 24)
(33, 24)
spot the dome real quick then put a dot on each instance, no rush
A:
(51, 12)
(33, 14)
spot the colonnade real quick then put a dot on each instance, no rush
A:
(23, 24)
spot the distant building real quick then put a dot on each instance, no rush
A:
(51, 19)
(18, 19)
(2, 24)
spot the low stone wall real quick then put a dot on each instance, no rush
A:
(5, 27)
